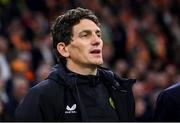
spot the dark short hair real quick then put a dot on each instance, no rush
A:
(61, 30)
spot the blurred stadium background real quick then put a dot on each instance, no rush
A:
(141, 40)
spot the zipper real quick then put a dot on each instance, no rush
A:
(81, 106)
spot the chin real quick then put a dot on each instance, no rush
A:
(98, 62)
(95, 60)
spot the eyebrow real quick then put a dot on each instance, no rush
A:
(89, 31)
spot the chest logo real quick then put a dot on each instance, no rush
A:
(111, 102)
(71, 110)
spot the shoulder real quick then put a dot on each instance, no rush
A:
(45, 85)
(172, 91)
(167, 104)
(42, 102)
(170, 96)
(127, 82)
(47, 89)
(110, 76)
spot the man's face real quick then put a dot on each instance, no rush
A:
(85, 48)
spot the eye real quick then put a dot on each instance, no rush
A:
(84, 35)
(99, 34)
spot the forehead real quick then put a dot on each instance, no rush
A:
(85, 24)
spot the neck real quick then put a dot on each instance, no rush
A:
(82, 69)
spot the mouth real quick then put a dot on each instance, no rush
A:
(95, 51)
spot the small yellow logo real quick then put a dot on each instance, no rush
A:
(111, 102)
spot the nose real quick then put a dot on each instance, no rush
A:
(96, 40)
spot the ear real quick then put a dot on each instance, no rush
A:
(62, 49)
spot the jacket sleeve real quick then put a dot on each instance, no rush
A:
(29, 108)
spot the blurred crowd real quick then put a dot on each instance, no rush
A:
(141, 40)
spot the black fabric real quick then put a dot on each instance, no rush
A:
(66, 96)
(168, 105)
(95, 99)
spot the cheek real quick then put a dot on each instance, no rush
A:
(78, 48)
(101, 44)
(77, 51)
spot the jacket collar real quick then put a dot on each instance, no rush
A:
(60, 74)
(63, 76)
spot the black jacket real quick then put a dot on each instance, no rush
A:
(168, 105)
(47, 101)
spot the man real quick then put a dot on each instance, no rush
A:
(168, 105)
(78, 89)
